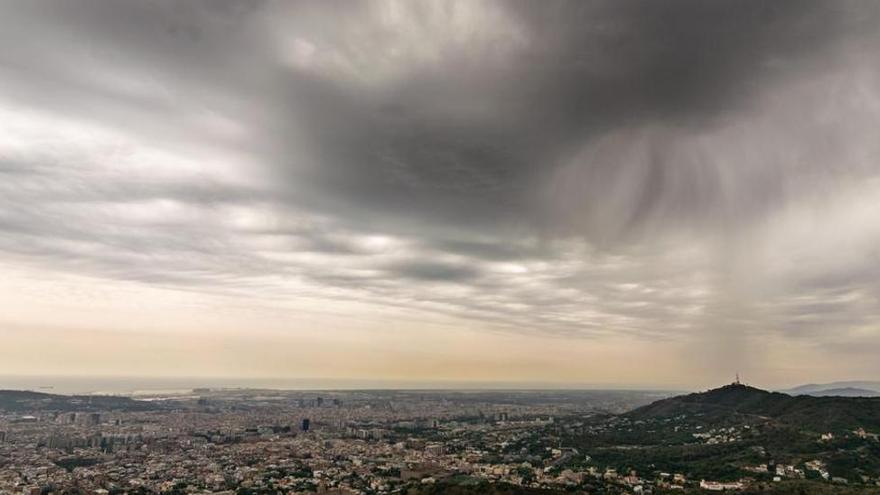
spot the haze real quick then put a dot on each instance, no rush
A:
(614, 193)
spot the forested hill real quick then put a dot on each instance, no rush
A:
(741, 401)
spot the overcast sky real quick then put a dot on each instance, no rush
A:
(588, 192)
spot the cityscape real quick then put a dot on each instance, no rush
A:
(251, 441)
(247, 441)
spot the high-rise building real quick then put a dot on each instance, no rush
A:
(85, 418)
(305, 424)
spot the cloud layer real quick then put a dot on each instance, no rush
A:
(675, 171)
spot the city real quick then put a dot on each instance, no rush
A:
(379, 442)
(270, 441)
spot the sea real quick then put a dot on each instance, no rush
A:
(169, 386)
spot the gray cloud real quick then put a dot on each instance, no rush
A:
(433, 271)
(655, 169)
(582, 70)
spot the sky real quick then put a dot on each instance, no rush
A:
(583, 193)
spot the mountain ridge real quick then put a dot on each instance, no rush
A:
(844, 392)
(865, 388)
(738, 402)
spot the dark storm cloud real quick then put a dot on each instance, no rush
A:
(586, 68)
(683, 61)
(580, 168)
(471, 137)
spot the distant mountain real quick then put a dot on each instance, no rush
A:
(845, 392)
(740, 402)
(822, 389)
(27, 401)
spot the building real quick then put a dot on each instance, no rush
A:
(718, 486)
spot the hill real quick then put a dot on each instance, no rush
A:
(845, 392)
(27, 401)
(823, 388)
(739, 402)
